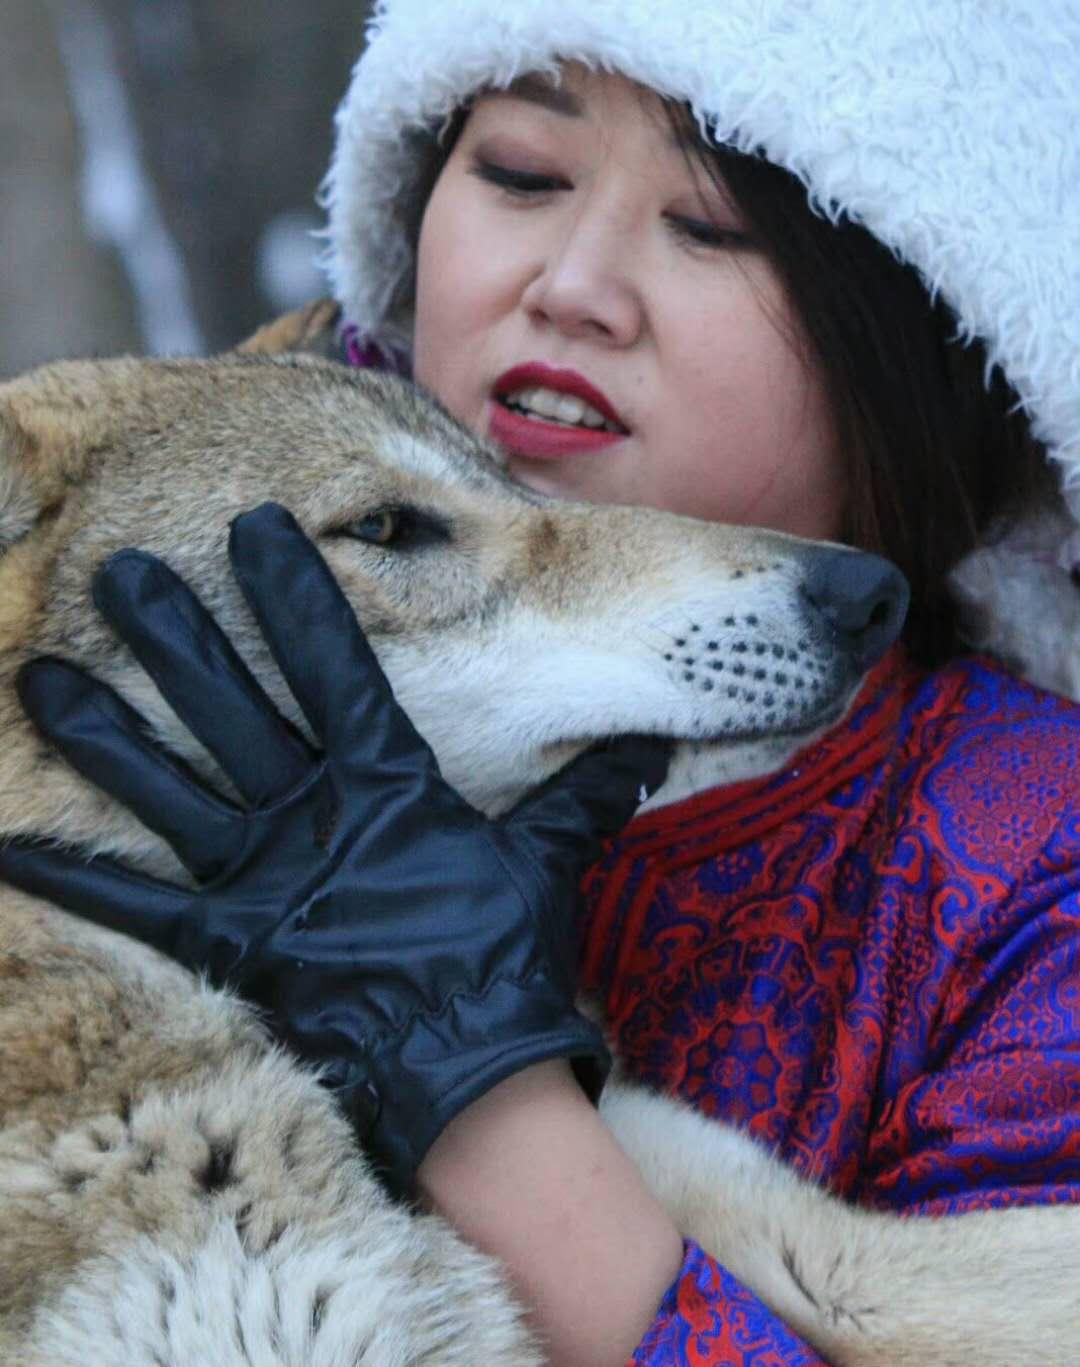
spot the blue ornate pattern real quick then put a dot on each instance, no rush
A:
(708, 1317)
(871, 961)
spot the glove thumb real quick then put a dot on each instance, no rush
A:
(570, 816)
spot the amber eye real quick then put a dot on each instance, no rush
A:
(401, 529)
(379, 528)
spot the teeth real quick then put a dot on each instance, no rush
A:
(556, 407)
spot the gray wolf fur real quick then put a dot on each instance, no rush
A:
(173, 1188)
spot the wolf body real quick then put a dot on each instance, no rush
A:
(173, 1188)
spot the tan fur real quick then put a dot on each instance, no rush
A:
(172, 1189)
(310, 328)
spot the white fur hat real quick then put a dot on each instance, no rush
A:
(949, 128)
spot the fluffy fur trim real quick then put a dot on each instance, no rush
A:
(947, 127)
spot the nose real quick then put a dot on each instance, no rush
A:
(585, 285)
(862, 598)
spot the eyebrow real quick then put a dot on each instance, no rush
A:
(539, 90)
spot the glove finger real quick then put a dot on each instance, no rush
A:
(320, 648)
(108, 742)
(570, 816)
(198, 672)
(99, 890)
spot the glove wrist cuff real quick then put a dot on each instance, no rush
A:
(403, 1096)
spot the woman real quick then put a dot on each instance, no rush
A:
(871, 959)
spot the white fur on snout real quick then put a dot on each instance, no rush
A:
(729, 666)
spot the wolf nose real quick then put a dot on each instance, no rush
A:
(862, 597)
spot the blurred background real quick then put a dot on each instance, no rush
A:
(159, 162)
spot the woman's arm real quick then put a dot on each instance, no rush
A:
(530, 1174)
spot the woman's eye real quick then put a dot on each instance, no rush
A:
(700, 232)
(516, 182)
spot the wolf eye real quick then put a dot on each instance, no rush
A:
(398, 529)
(378, 528)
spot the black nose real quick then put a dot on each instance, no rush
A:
(862, 597)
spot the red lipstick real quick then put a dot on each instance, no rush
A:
(540, 440)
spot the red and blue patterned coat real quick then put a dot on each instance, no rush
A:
(871, 961)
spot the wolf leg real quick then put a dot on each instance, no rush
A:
(865, 1288)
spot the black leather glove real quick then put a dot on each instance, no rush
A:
(393, 934)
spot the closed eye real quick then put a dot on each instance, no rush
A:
(698, 232)
(514, 181)
(701, 232)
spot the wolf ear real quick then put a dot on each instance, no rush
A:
(20, 503)
(54, 421)
(311, 329)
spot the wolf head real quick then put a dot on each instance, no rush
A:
(515, 629)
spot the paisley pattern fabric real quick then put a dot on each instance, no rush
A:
(871, 961)
(709, 1317)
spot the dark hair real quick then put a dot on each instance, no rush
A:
(934, 450)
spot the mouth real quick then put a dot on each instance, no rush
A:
(807, 726)
(543, 413)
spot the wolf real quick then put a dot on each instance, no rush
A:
(176, 1189)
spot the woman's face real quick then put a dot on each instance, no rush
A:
(587, 298)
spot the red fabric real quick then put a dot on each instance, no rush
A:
(871, 961)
